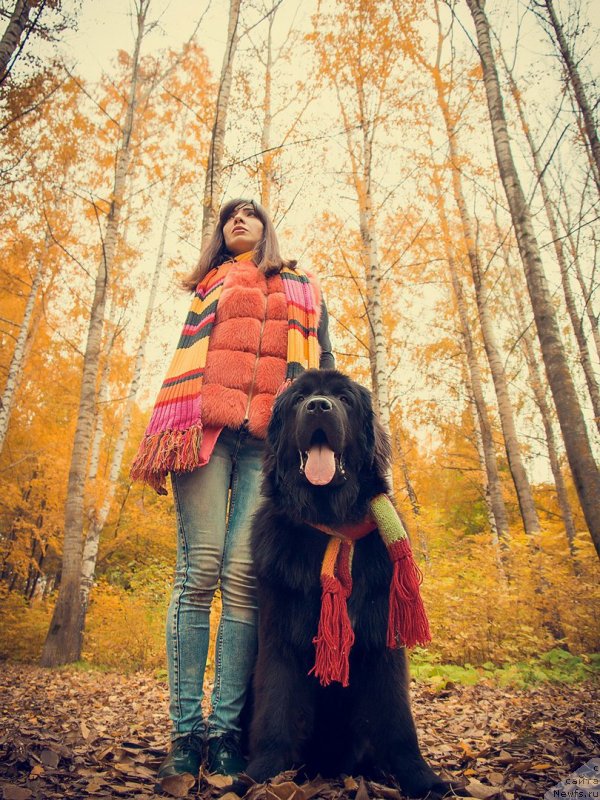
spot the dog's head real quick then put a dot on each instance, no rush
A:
(325, 445)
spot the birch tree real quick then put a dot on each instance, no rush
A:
(482, 295)
(571, 419)
(17, 362)
(538, 383)
(574, 79)
(589, 285)
(27, 22)
(213, 180)
(19, 19)
(493, 485)
(559, 249)
(63, 641)
(98, 518)
(359, 66)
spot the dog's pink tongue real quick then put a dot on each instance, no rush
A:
(320, 465)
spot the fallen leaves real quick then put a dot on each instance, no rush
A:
(178, 785)
(71, 735)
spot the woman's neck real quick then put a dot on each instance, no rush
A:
(244, 256)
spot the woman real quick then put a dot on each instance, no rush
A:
(256, 321)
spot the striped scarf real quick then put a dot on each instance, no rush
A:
(407, 620)
(174, 434)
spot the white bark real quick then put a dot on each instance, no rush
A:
(266, 176)
(98, 520)
(505, 409)
(576, 321)
(101, 399)
(17, 362)
(493, 485)
(64, 638)
(13, 32)
(574, 78)
(212, 184)
(587, 291)
(579, 452)
(538, 386)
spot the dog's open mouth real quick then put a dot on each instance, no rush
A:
(319, 463)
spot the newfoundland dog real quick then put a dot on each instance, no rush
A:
(330, 686)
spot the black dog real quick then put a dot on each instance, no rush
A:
(326, 458)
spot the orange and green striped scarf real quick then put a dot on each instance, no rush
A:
(174, 434)
(407, 620)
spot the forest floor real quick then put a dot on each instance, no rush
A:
(78, 734)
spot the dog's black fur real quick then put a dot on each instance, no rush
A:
(366, 728)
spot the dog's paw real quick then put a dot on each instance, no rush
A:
(425, 783)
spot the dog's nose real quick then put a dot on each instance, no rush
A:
(318, 405)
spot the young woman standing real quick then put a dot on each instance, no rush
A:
(256, 321)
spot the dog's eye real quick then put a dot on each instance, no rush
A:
(345, 400)
(298, 399)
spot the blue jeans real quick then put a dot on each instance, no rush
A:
(214, 506)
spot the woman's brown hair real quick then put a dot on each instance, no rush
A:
(266, 255)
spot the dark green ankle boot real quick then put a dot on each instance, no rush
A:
(225, 755)
(182, 765)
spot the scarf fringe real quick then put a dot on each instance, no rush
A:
(335, 636)
(164, 452)
(407, 621)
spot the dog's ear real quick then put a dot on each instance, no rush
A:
(382, 452)
(276, 421)
(366, 432)
(376, 440)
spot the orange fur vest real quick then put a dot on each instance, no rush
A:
(246, 360)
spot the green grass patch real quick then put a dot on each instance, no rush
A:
(555, 666)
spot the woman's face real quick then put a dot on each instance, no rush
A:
(243, 230)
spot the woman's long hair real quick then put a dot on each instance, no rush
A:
(266, 254)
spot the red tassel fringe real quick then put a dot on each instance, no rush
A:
(161, 453)
(335, 636)
(407, 621)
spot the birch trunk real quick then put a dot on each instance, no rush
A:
(579, 452)
(498, 549)
(266, 177)
(576, 321)
(574, 79)
(17, 362)
(377, 346)
(98, 520)
(12, 35)
(493, 491)
(505, 409)
(212, 184)
(63, 641)
(538, 386)
(361, 176)
(101, 400)
(586, 290)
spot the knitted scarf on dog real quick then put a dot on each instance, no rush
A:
(174, 434)
(407, 620)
